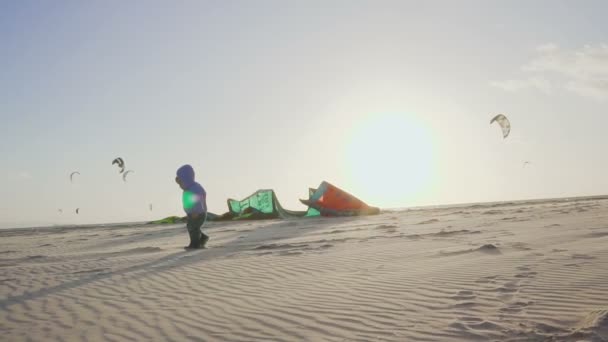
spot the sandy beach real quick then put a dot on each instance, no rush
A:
(528, 271)
(374, 170)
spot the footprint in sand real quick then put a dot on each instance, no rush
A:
(597, 235)
(507, 290)
(465, 299)
(336, 231)
(582, 256)
(291, 248)
(526, 275)
(509, 287)
(515, 307)
(489, 248)
(469, 319)
(428, 221)
(96, 270)
(521, 246)
(289, 253)
(388, 228)
(525, 272)
(487, 280)
(479, 325)
(463, 305)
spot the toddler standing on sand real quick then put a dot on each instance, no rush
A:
(194, 200)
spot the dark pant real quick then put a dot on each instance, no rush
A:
(194, 230)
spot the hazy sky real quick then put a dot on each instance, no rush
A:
(390, 100)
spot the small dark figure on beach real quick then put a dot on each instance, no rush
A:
(194, 200)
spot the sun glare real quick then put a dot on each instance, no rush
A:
(391, 160)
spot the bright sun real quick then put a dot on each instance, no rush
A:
(391, 160)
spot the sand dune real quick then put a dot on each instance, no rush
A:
(503, 272)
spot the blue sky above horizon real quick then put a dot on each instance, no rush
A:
(390, 100)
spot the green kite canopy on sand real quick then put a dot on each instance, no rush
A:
(326, 200)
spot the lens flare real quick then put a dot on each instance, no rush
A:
(189, 199)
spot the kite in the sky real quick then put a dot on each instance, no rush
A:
(72, 175)
(120, 163)
(124, 175)
(504, 123)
